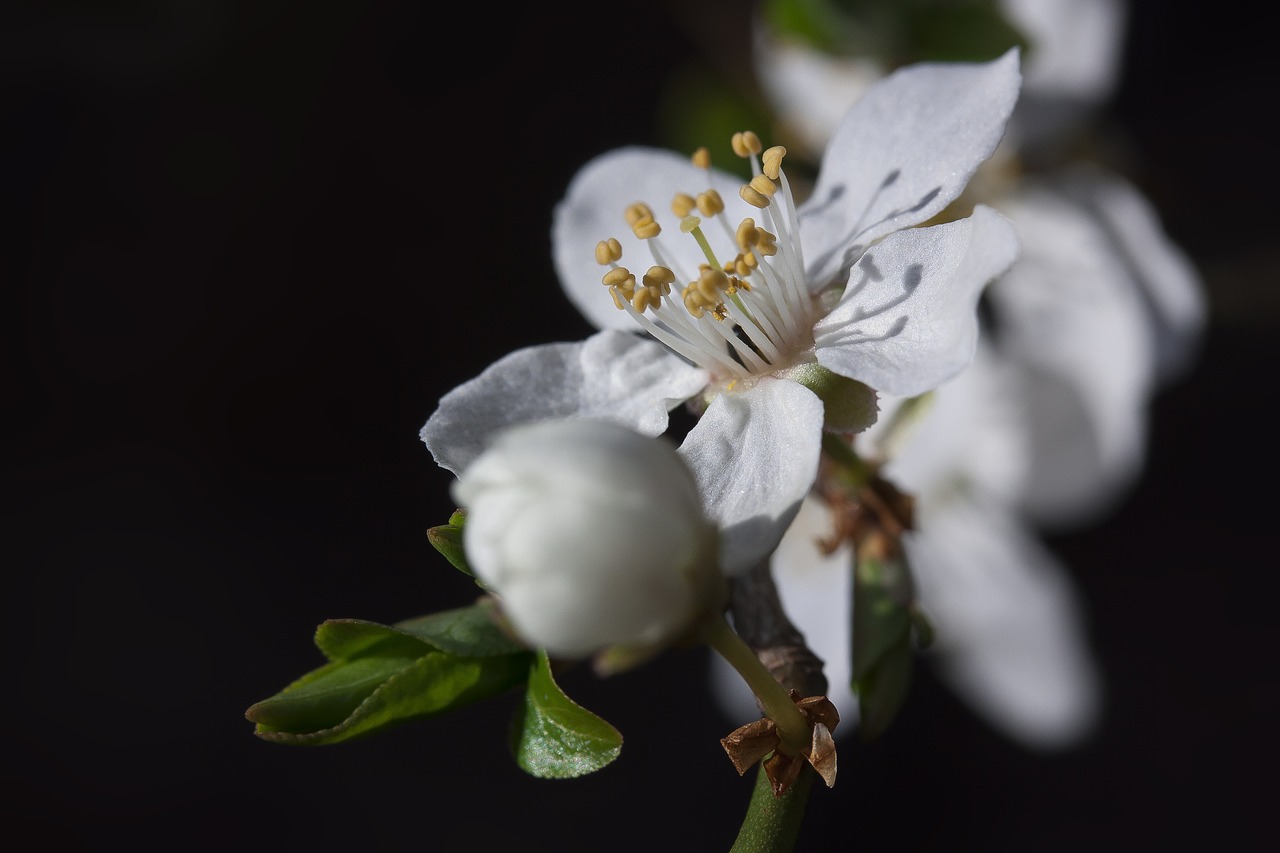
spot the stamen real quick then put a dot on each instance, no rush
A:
(748, 314)
(753, 197)
(608, 251)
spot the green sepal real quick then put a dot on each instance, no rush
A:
(447, 539)
(553, 737)
(883, 611)
(380, 676)
(848, 405)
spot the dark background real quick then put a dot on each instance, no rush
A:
(251, 246)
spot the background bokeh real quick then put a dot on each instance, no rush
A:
(249, 247)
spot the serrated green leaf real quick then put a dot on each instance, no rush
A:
(553, 737)
(467, 632)
(325, 697)
(356, 698)
(346, 639)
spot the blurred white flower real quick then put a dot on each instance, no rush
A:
(1071, 66)
(1048, 428)
(842, 289)
(592, 537)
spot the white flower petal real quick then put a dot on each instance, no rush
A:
(1076, 46)
(592, 210)
(810, 90)
(1164, 274)
(755, 455)
(901, 154)
(1011, 637)
(907, 320)
(613, 375)
(973, 429)
(1071, 316)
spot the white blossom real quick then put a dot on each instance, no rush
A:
(591, 535)
(773, 301)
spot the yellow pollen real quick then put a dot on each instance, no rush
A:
(682, 205)
(608, 251)
(702, 158)
(746, 143)
(645, 297)
(712, 283)
(710, 203)
(636, 212)
(646, 227)
(771, 161)
(764, 185)
(617, 277)
(753, 197)
(659, 277)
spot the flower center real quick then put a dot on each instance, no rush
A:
(743, 313)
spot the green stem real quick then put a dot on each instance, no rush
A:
(793, 729)
(772, 823)
(856, 471)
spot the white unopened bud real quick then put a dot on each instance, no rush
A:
(592, 536)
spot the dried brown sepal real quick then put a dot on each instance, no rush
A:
(748, 744)
(783, 771)
(822, 754)
(819, 710)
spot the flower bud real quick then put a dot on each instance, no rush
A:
(593, 538)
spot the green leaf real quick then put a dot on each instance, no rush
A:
(447, 539)
(882, 655)
(357, 698)
(882, 691)
(384, 675)
(555, 738)
(468, 631)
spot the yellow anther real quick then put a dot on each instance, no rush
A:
(752, 197)
(608, 251)
(660, 278)
(689, 223)
(710, 203)
(712, 283)
(764, 185)
(617, 277)
(771, 161)
(682, 205)
(719, 312)
(693, 302)
(746, 143)
(766, 243)
(743, 265)
(645, 227)
(702, 158)
(745, 236)
(644, 298)
(618, 301)
(636, 212)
